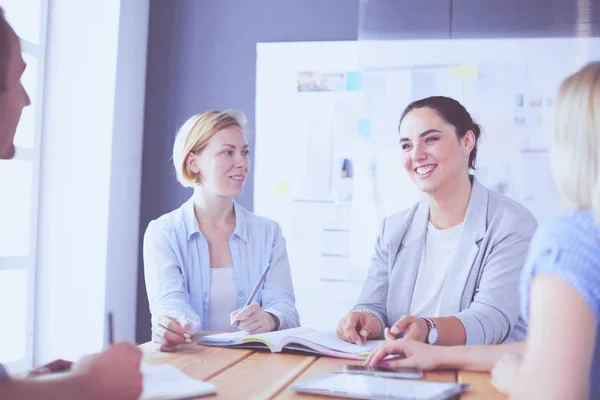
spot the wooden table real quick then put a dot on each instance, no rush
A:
(249, 374)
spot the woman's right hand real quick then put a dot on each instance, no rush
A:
(169, 332)
(356, 327)
(113, 374)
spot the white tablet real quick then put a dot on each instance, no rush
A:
(375, 387)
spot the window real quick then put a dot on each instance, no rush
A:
(19, 198)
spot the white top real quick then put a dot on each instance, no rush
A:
(438, 253)
(223, 298)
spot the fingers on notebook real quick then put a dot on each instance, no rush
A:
(409, 327)
(368, 326)
(349, 330)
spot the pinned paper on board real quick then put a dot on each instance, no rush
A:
(344, 171)
(320, 81)
(281, 188)
(354, 81)
(363, 128)
(329, 81)
(464, 72)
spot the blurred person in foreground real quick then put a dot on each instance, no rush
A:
(112, 374)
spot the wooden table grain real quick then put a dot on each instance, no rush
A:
(260, 374)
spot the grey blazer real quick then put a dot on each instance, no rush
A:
(481, 289)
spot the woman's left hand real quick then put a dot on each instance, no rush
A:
(253, 319)
(505, 372)
(414, 328)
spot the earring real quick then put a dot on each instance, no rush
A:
(196, 180)
(465, 152)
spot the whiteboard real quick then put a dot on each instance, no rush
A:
(328, 163)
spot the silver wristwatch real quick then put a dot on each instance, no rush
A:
(432, 336)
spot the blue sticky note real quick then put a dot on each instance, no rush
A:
(363, 127)
(354, 81)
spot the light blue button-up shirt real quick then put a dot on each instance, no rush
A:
(177, 266)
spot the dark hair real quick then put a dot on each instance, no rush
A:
(4, 50)
(453, 113)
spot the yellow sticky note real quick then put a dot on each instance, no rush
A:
(282, 187)
(464, 72)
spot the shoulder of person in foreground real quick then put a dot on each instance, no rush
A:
(569, 246)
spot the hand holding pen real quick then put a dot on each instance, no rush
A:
(112, 374)
(252, 318)
(170, 330)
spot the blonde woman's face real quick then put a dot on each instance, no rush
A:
(224, 163)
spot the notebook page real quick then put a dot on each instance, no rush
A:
(330, 340)
(228, 337)
(270, 338)
(162, 382)
(167, 382)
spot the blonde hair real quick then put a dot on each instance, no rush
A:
(194, 134)
(575, 151)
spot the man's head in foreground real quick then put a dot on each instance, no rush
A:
(13, 97)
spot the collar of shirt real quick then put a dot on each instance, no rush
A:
(191, 223)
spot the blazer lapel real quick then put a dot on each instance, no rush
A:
(467, 251)
(406, 263)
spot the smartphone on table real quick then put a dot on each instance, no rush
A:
(400, 373)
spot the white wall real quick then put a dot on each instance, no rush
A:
(90, 175)
(126, 174)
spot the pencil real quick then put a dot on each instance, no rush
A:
(255, 290)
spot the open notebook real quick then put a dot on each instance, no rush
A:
(299, 339)
(164, 382)
(167, 382)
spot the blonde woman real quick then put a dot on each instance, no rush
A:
(202, 260)
(560, 285)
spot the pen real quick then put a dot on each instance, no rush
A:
(110, 329)
(260, 281)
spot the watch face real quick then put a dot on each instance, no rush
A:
(433, 336)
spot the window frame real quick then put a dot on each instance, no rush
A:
(29, 262)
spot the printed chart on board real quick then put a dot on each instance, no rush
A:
(328, 165)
